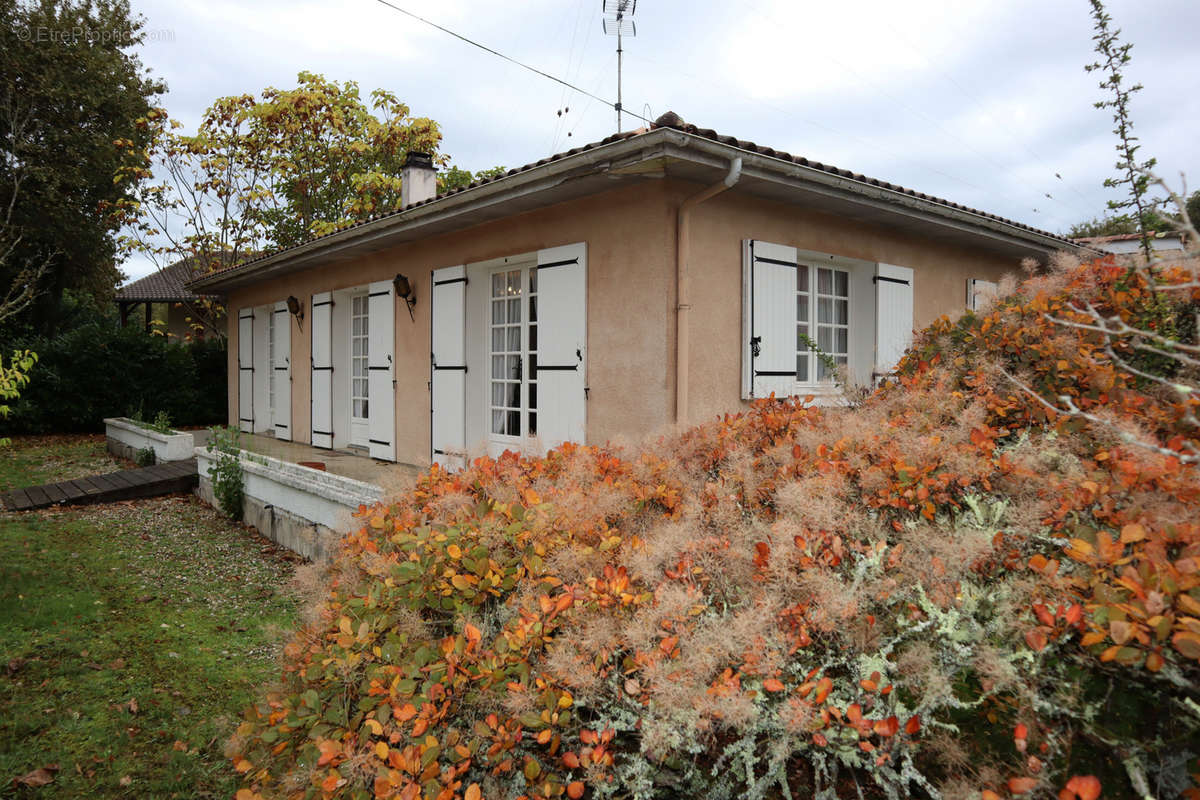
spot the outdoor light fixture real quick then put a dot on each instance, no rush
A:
(295, 309)
(405, 291)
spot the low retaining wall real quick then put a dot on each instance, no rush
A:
(305, 510)
(125, 438)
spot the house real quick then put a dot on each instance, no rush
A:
(1166, 244)
(177, 313)
(660, 276)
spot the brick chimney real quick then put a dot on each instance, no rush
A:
(418, 179)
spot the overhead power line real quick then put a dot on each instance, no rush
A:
(509, 59)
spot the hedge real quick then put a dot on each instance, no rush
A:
(98, 370)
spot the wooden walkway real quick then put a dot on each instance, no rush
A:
(168, 478)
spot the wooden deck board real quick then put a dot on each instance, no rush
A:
(160, 479)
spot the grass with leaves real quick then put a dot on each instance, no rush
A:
(132, 634)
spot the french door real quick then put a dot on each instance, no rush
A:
(513, 346)
(359, 381)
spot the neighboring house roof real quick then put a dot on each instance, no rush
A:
(669, 147)
(167, 285)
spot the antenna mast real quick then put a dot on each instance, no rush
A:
(618, 21)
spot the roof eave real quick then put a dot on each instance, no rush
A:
(657, 143)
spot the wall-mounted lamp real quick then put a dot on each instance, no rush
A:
(295, 309)
(404, 291)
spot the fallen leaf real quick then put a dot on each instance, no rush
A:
(41, 776)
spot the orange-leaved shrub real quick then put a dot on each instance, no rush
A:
(950, 590)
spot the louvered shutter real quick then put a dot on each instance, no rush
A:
(561, 371)
(321, 327)
(448, 366)
(246, 369)
(893, 315)
(381, 384)
(979, 292)
(281, 373)
(768, 319)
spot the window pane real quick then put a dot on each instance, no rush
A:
(842, 283)
(497, 340)
(365, 320)
(802, 278)
(356, 326)
(802, 307)
(497, 393)
(366, 408)
(514, 423)
(497, 366)
(498, 312)
(825, 339)
(841, 340)
(514, 367)
(533, 280)
(533, 309)
(841, 312)
(497, 422)
(801, 335)
(512, 281)
(514, 340)
(824, 281)
(497, 284)
(533, 337)
(514, 310)
(532, 423)
(802, 367)
(533, 367)
(533, 395)
(823, 372)
(824, 309)
(513, 400)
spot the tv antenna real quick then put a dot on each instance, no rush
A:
(618, 21)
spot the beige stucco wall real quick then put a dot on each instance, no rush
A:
(630, 235)
(718, 229)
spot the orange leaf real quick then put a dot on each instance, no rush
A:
(887, 727)
(1021, 785)
(1035, 638)
(1187, 643)
(571, 760)
(1086, 787)
(988, 794)
(773, 685)
(473, 792)
(1021, 732)
(824, 687)
(1132, 532)
(913, 725)
(575, 790)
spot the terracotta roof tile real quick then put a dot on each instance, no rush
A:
(673, 121)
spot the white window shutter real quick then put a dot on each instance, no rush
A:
(893, 315)
(381, 384)
(246, 369)
(448, 366)
(980, 292)
(768, 319)
(562, 345)
(281, 372)
(321, 326)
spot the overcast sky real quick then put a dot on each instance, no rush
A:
(980, 102)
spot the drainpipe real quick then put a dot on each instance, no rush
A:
(684, 306)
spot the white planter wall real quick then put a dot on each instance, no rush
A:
(303, 509)
(126, 438)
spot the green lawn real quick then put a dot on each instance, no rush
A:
(131, 635)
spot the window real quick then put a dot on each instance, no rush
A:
(358, 357)
(829, 306)
(514, 343)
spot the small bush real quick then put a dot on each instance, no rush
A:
(145, 457)
(226, 474)
(948, 591)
